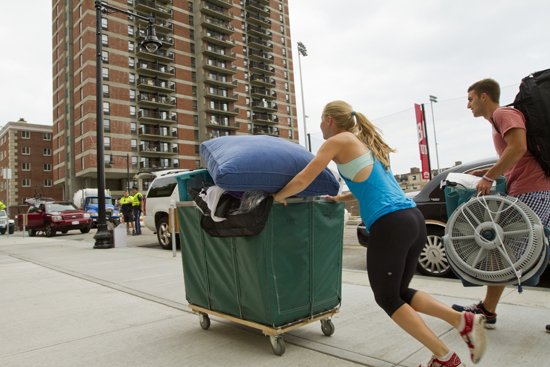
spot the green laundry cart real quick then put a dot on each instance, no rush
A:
(287, 276)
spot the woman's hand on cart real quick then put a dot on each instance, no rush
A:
(278, 199)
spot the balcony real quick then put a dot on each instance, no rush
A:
(149, 116)
(154, 68)
(258, 20)
(158, 131)
(219, 54)
(263, 93)
(260, 56)
(166, 56)
(228, 124)
(260, 67)
(264, 105)
(258, 8)
(227, 96)
(161, 25)
(216, 24)
(219, 67)
(265, 130)
(156, 148)
(262, 81)
(223, 3)
(221, 82)
(167, 41)
(265, 118)
(226, 112)
(156, 85)
(216, 11)
(156, 101)
(264, 2)
(259, 31)
(157, 164)
(260, 43)
(152, 7)
(222, 40)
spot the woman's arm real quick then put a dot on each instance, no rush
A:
(342, 198)
(303, 179)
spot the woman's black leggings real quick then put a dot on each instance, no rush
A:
(395, 242)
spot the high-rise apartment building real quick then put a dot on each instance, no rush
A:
(224, 68)
(26, 149)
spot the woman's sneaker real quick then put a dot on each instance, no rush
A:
(474, 334)
(477, 308)
(454, 361)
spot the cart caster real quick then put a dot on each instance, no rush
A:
(327, 327)
(277, 344)
(204, 320)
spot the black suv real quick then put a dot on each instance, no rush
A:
(431, 202)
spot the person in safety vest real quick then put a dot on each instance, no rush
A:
(126, 206)
(2, 206)
(137, 206)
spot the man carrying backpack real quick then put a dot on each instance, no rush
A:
(525, 177)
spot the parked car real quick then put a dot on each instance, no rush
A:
(52, 216)
(6, 224)
(431, 202)
(162, 191)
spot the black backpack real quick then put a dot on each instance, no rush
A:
(533, 100)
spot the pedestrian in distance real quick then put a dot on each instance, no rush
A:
(525, 178)
(396, 226)
(125, 203)
(137, 205)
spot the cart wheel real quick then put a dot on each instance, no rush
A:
(204, 320)
(327, 327)
(277, 344)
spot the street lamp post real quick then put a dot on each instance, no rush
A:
(303, 52)
(103, 239)
(432, 100)
(127, 156)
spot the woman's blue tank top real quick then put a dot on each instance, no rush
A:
(379, 195)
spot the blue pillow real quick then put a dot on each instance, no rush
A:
(246, 162)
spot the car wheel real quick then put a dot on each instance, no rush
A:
(50, 232)
(433, 259)
(64, 232)
(11, 230)
(85, 230)
(31, 232)
(3, 231)
(163, 234)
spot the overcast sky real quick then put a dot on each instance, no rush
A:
(381, 56)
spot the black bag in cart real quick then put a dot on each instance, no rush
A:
(533, 100)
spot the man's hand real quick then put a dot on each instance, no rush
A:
(484, 187)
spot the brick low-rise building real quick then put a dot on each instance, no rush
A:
(27, 150)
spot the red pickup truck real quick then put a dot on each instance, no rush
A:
(53, 216)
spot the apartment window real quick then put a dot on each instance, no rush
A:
(193, 62)
(195, 107)
(106, 108)
(248, 101)
(286, 74)
(79, 27)
(25, 166)
(105, 74)
(26, 150)
(132, 110)
(25, 134)
(130, 17)
(130, 2)
(288, 98)
(248, 115)
(191, 20)
(193, 47)
(104, 23)
(191, 6)
(280, 7)
(286, 87)
(194, 91)
(106, 126)
(193, 77)
(130, 30)
(192, 34)
(82, 110)
(284, 51)
(107, 143)
(47, 167)
(105, 40)
(105, 91)
(246, 88)
(195, 120)
(105, 56)
(289, 122)
(82, 163)
(79, 59)
(82, 145)
(131, 62)
(246, 75)
(282, 29)
(134, 144)
(132, 78)
(47, 183)
(290, 134)
(133, 127)
(281, 17)
(132, 94)
(130, 46)
(47, 151)
(26, 182)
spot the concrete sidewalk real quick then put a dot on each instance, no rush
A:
(65, 304)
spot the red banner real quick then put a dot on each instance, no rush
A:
(422, 142)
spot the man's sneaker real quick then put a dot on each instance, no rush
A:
(548, 328)
(454, 361)
(477, 308)
(128, 231)
(474, 334)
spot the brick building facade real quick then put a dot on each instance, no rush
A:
(27, 150)
(225, 68)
